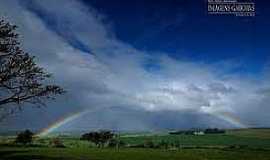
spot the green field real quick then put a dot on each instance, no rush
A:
(248, 144)
(129, 154)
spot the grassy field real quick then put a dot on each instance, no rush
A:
(255, 133)
(200, 141)
(129, 154)
(248, 144)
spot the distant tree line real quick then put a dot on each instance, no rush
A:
(214, 131)
(186, 132)
(194, 131)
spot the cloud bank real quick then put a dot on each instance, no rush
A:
(128, 88)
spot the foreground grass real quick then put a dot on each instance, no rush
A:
(17, 153)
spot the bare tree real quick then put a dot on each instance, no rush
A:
(21, 79)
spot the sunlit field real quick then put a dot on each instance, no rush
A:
(248, 144)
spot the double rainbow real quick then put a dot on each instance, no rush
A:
(226, 116)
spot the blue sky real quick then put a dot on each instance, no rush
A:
(182, 30)
(185, 30)
(152, 64)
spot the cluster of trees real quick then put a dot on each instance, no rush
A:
(99, 138)
(25, 137)
(22, 81)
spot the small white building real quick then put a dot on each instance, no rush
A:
(198, 133)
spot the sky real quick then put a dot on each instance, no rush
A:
(145, 65)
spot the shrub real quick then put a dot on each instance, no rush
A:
(163, 144)
(56, 142)
(149, 144)
(113, 143)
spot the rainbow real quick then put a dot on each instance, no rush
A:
(231, 118)
(226, 116)
(60, 122)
